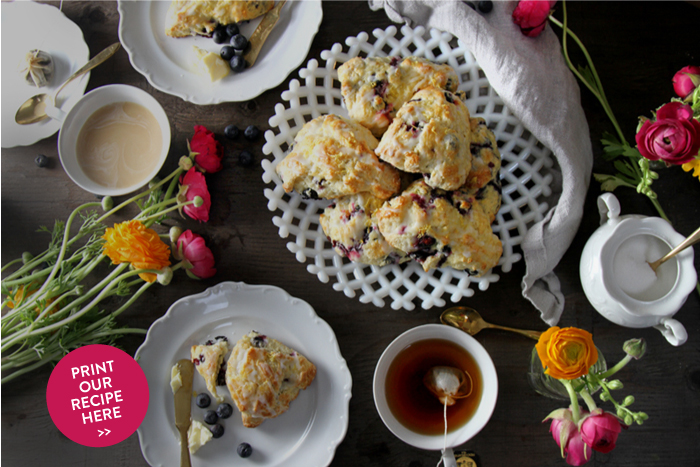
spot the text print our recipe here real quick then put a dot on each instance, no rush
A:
(96, 400)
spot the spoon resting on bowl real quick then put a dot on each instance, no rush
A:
(470, 321)
(691, 240)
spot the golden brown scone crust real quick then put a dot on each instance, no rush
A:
(375, 88)
(487, 197)
(265, 376)
(430, 135)
(208, 359)
(486, 159)
(349, 225)
(423, 222)
(200, 17)
(333, 157)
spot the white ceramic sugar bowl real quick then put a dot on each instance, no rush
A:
(619, 283)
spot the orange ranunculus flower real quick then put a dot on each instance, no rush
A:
(566, 353)
(20, 295)
(131, 242)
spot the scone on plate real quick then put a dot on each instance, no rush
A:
(423, 222)
(333, 157)
(200, 17)
(264, 376)
(353, 232)
(375, 88)
(487, 197)
(208, 359)
(430, 135)
(486, 159)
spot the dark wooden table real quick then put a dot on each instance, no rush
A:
(637, 47)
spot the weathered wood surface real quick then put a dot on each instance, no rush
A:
(637, 47)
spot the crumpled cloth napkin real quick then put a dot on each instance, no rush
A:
(531, 77)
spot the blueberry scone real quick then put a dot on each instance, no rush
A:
(353, 232)
(423, 222)
(486, 159)
(265, 376)
(488, 197)
(208, 359)
(430, 135)
(200, 17)
(375, 88)
(333, 157)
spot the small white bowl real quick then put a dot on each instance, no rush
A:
(74, 120)
(488, 397)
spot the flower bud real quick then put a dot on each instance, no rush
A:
(621, 412)
(107, 203)
(604, 396)
(198, 201)
(635, 348)
(185, 163)
(686, 80)
(165, 276)
(628, 419)
(175, 233)
(27, 257)
(629, 400)
(615, 384)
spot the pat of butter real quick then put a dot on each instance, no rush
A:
(197, 436)
(175, 378)
(209, 64)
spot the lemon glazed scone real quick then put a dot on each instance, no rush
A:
(486, 158)
(375, 88)
(353, 232)
(208, 359)
(430, 135)
(200, 17)
(423, 222)
(333, 157)
(265, 376)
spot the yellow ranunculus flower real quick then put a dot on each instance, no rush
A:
(693, 165)
(134, 243)
(566, 353)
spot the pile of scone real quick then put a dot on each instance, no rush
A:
(411, 174)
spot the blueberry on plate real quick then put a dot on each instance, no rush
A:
(220, 36)
(232, 132)
(251, 133)
(224, 410)
(237, 63)
(239, 42)
(232, 29)
(245, 158)
(217, 431)
(41, 160)
(244, 450)
(203, 400)
(485, 6)
(227, 52)
(210, 417)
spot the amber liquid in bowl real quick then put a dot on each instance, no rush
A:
(413, 405)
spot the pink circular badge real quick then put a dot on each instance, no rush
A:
(97, 395)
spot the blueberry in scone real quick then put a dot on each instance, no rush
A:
(375, 88)
(207, 359)
(486, 159)
(430, 135)
(265, 376)
(487, 197)
(354, 234)
(333, 157)
(201, 17)
(423, 222)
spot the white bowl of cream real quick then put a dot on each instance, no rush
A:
(114, 140)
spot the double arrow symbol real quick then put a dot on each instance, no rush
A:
(106, 432)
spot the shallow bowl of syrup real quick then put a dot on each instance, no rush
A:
(407, 407)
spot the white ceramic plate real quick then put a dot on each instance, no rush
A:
(163, 60)
(316, 422)
(524, 173)
(53, 33)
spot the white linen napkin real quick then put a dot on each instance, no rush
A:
(531, 77)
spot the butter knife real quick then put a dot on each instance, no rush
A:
(257, 39)
(183, 404)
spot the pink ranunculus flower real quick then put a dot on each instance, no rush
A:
(577, 452)
(193, 184)
(674, 137)
(207, 151)
(686, 80)
(600, 430)
(564, 430)
(531, 16)
(196, 252)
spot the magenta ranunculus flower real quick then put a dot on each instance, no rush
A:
(531, 16)
(674, 137)
(600, 430)
(196, 252)
(208, 151)
(193, 184)
(686, 80)
(568, 438)
(577, 452)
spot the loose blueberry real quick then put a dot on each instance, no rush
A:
(217, 431)
(485, 6)
(41, 160)
(227, 52)
(210, 417)
(220, 36)
(237, 64)
(203, 400)
(244, 450)
(251, 133)
(239, 42)
(232, 132)
(224, 410)
(245, 158)
(232, 29)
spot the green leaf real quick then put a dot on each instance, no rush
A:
(625, 168)
(610, 182)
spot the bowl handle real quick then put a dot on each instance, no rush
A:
(673, 331)
(608, 207)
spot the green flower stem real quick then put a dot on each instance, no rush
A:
(148, 221)
(618, 366)
(173, 183)
(575, 412)
(155, 207)
(588, 399)
(18, 260)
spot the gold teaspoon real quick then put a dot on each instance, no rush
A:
(470, 321)
(691, 240)
(34, 109)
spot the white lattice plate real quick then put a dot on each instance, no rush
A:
(524, 173)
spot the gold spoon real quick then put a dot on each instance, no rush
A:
(34, 108)
(691, 240)
(470, 321)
